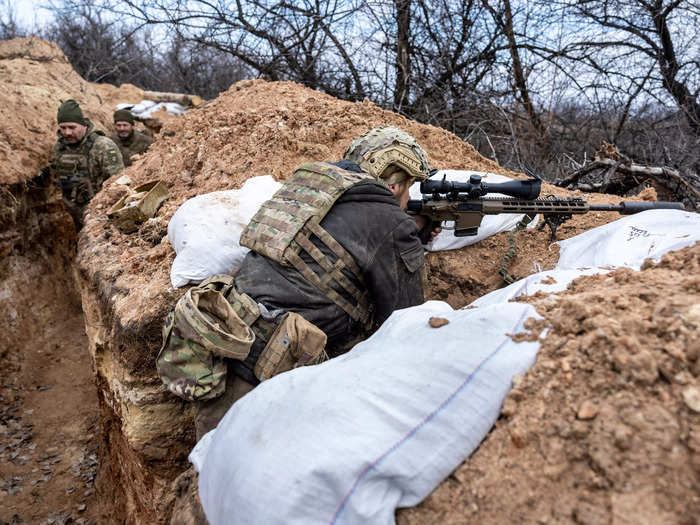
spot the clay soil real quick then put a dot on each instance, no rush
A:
(604, 428)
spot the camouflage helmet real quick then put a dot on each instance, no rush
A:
(379, 148)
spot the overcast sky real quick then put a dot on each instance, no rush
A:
(29, 12)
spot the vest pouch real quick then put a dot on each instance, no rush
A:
(76, 188)
(295, 342)
(198, 334)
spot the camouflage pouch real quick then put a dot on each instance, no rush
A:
(295, 342)
(201, 330)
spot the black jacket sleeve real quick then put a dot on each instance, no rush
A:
(394, 275)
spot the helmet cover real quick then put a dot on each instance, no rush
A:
(379, 148)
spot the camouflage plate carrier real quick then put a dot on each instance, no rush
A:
(283, 226)
(214, 321)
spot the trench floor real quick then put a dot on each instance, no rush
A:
(49, 408)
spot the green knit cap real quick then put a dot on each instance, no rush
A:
(69, 111)
(123, 115)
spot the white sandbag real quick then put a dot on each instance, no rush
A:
(549, 281)
(205, 230)
(630, 240)
(623, 243)
(351, 439)
(490, 225)
(146, 108)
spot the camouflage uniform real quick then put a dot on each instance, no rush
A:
(381, 238)
(80, 169)
(332, 249)
(135, 144)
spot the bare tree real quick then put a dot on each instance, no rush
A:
(403, 60)
(188, 67)
(9, 27)
(299, 40)
(624, 37)
(503, 16)
(101, 50)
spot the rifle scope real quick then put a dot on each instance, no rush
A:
(528, 189)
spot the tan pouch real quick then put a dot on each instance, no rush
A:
(138, 206)
(216, 326)
(295, 342)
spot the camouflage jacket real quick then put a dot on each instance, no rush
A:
(80, 169)
(135, 144)
(383, 240)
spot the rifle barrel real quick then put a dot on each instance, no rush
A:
(629, 207)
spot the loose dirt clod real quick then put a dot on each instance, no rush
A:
(437, 322)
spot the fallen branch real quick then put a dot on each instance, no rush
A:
(630, 169)
(180, 98)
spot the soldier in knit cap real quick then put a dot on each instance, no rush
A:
(83, 158)
(130, 141)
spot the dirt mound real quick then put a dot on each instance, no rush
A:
(258, 128)
(124, 94)
(605, 427)
(35, 77)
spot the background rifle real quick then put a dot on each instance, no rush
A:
(465, 204)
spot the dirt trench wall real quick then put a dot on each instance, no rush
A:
(37, 239)
(147, 433)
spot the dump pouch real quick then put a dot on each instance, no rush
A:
(198, 333)
(186, 369)
(295, 342)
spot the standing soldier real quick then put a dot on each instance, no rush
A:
(83, 158)
(130, 141)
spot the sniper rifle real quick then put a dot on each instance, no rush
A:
(465, 204)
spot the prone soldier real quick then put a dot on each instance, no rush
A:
(333, 254)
